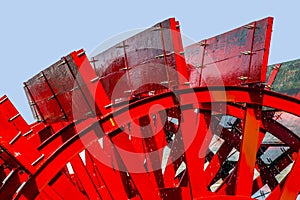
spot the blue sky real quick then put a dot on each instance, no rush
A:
(35, 34)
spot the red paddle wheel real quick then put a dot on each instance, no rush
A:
(151, 119)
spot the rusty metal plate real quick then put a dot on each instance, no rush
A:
(237, 57)
(286, 78)
(144, 62)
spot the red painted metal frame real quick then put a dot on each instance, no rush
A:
(13, 132)
(227, 89)
(71, 144)
(84, 132)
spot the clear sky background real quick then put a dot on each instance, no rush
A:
(35, 34)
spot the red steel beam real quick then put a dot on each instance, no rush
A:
(96, 177)
(250, 142)
(112, 178)
(291, 187)
(272, 76)
(134, 165)
(58, 187)
(84, 177)
(87, 79)
(13, 131)
(236, 94)
(195, 129)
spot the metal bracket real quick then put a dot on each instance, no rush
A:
(247, 52)
(3, 100)
(276, 67)
(199, 66)
(81, 53)
(203, 43)
(37, 160)
(250, 26)
(156, 29)
(128, 91)
(95, 79)
(243, 78)
(122, 46)
(52, 97)
(125, 68)
(108, 106)
(15, 138)
(61, 63)
(27, 133)
(159, 56)
(14, 117)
